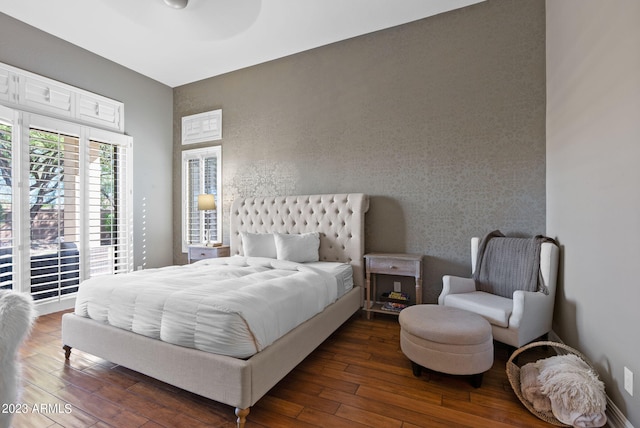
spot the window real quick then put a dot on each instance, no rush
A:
(54, 212)
(6, 199)
(71, 217)
(201, 173)
(109, 242)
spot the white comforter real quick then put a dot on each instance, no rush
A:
(233, 306)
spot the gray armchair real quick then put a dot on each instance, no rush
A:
(518, 316)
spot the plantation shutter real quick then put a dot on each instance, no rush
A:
(6, 201)
(201, 174)
(110, 243)
(195, 232)
(210, 186)
(110, 234)
(54, 213)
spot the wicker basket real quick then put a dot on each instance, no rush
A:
(513, 374)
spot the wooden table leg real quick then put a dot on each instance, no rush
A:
(367, 302)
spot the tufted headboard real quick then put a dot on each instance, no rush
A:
(338, 218)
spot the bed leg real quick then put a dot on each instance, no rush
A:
(242, 416)
(67, 351)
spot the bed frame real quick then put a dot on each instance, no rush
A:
(242, 382)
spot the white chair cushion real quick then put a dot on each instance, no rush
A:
(495, 309)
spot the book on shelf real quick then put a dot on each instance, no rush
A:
(393, 306)
(398, 295)
(395, 296)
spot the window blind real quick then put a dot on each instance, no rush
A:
(54, 213)
(201, 174)
(6, 206)
(109, 239)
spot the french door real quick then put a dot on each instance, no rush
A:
(65, 204)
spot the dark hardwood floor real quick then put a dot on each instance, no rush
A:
(357, 378)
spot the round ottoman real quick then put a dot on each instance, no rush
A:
(447, 340)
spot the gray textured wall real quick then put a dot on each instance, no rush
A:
(593, 153)
(441, 121)
(148, 113)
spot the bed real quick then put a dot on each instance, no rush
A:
(241, 382)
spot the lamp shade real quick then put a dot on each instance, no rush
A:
(206, 202)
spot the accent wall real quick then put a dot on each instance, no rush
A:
(441, 121)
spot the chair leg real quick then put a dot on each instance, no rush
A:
(417, 369)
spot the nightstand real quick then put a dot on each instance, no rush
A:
(200, 252)
(390, 264)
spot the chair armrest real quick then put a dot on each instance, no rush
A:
(532, 313)
(455, 285)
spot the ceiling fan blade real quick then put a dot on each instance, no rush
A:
(203, 20)
(177, 4)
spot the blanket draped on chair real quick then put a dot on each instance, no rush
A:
(506, 264)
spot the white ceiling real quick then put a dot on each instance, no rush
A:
(212, 37)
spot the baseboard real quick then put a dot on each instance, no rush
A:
(63, 304)
(615, 418)
(554, 337)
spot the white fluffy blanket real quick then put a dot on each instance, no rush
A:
(16, 318)
(576, 393)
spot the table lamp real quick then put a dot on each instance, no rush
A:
(207, 202)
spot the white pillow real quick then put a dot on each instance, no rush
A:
(258, 245)
(298, 248)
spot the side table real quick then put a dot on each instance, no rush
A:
(399, 264)
(200, 252)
